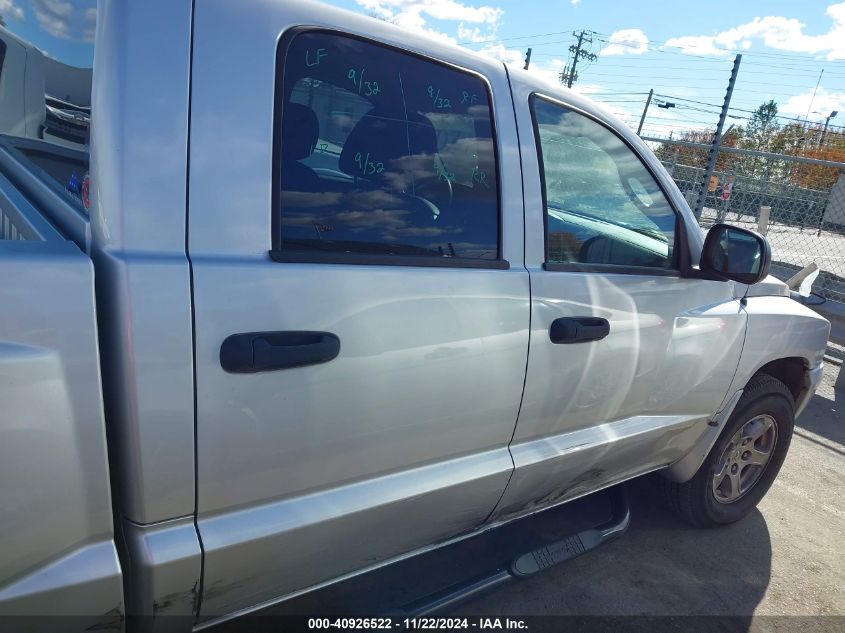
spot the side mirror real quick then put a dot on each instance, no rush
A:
(738, 254)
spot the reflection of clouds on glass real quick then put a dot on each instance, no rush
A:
(587, 168)
(373, 216)
(377, 198)
(305, 200)
(402, 160)
(604, 206)
(480, 111)
(471, 250)
(403, 172)
(301, 219)
(464, 155)
(423, 231)
(384, 219)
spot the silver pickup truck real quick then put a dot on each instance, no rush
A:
(314, 294)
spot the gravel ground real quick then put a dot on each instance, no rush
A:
(786, 558)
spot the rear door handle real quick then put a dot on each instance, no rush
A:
(578, 329)
(252, 352)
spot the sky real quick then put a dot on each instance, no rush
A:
(682, 50)
(63, 29)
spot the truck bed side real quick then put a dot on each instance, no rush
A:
(59, 556)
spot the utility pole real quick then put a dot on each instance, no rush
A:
(645, 110)
(527, 58)
(578, 52)
(717, 140)
(826, 123)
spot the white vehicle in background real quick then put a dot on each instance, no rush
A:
(41, 97)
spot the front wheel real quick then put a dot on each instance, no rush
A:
(743, 462)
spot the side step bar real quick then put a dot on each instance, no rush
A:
(531, 562)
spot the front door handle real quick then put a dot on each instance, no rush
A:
(252, 352)
(578, 329)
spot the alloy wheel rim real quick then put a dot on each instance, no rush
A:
(744, 459)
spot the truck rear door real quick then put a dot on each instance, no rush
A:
(361, 308)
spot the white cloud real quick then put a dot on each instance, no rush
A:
(824, 103)
(9, 9)
(516, 57)
(550, 73)
(437, 9)
(64, 19)
(90, 24)
(412, 14)
(626, 42)
(54, 16)
(499, 51)
(575, 3)
(697, 45)
(474, 34)
(777, 32)
(478, 24)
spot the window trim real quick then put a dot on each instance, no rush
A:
(2, 57)
(681, 264)
(278, 254)
(290, 256)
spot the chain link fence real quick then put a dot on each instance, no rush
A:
(804, 199)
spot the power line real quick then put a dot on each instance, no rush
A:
(664, 47)
(726, 51)
(733, 108)
(698, 70)
(715, 79)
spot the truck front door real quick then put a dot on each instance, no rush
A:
(629, 356)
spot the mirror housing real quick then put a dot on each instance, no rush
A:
(734, 253)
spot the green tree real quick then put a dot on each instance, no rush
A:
(758, 135)
(762, 127)
(789, 139)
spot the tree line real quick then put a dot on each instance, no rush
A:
(764, 132)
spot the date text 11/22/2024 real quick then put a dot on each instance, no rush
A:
(421, 623)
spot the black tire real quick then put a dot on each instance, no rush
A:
(695, 500)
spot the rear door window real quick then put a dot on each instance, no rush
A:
(382, 155)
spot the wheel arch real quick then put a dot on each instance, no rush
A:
(792, 371)
(795, 372)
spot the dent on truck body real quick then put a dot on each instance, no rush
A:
(784, 339)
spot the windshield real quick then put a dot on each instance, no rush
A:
(46, 56)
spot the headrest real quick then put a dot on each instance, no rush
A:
(405, 148)
(300, 131)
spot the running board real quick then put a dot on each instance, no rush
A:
(529, 563)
